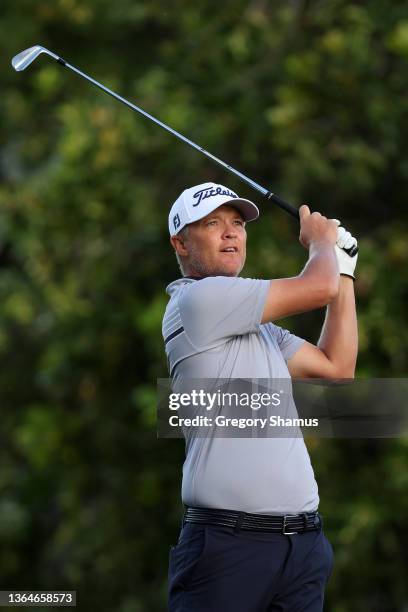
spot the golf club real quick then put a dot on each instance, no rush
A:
(25, 58)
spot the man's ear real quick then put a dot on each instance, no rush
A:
(178, 244)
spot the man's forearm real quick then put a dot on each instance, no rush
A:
(339, 337)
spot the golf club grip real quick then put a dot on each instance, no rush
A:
(295, 213)
(282, 204)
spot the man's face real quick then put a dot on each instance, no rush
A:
(216, 244)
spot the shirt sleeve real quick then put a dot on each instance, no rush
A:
(288, 343)
(216, 308)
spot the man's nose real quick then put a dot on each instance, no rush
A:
(230, 230)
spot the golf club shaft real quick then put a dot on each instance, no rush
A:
(265, 192)
(22, 60)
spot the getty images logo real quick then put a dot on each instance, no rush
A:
(210, 192)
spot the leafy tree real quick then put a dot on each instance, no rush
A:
(308, 98)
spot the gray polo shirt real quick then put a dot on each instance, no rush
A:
(212, 329)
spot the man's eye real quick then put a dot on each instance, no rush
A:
(212, 222)
(239, 222)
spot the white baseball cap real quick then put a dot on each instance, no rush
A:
(199, 201)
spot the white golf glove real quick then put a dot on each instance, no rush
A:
(345, 240)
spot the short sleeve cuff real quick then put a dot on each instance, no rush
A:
(295, 344)
(260, 304)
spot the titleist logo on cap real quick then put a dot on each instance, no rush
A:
(198, 201)
(209, 192)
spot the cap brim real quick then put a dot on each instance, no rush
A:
(248, 209)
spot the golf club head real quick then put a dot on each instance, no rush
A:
(26, 57)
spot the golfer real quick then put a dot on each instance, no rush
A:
(251, 537)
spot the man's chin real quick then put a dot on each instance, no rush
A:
(226, 271)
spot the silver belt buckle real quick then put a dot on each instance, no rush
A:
(284, 525)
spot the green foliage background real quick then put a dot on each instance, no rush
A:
(308, 98)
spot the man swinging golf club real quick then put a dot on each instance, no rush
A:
(252, 537)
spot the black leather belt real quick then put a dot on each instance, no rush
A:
(287, 524)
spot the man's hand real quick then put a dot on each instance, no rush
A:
(318, 283)
(345, 240)
(315, 228)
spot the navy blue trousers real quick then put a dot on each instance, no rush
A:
(215, 569)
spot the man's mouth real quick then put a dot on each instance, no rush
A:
(230, 249)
